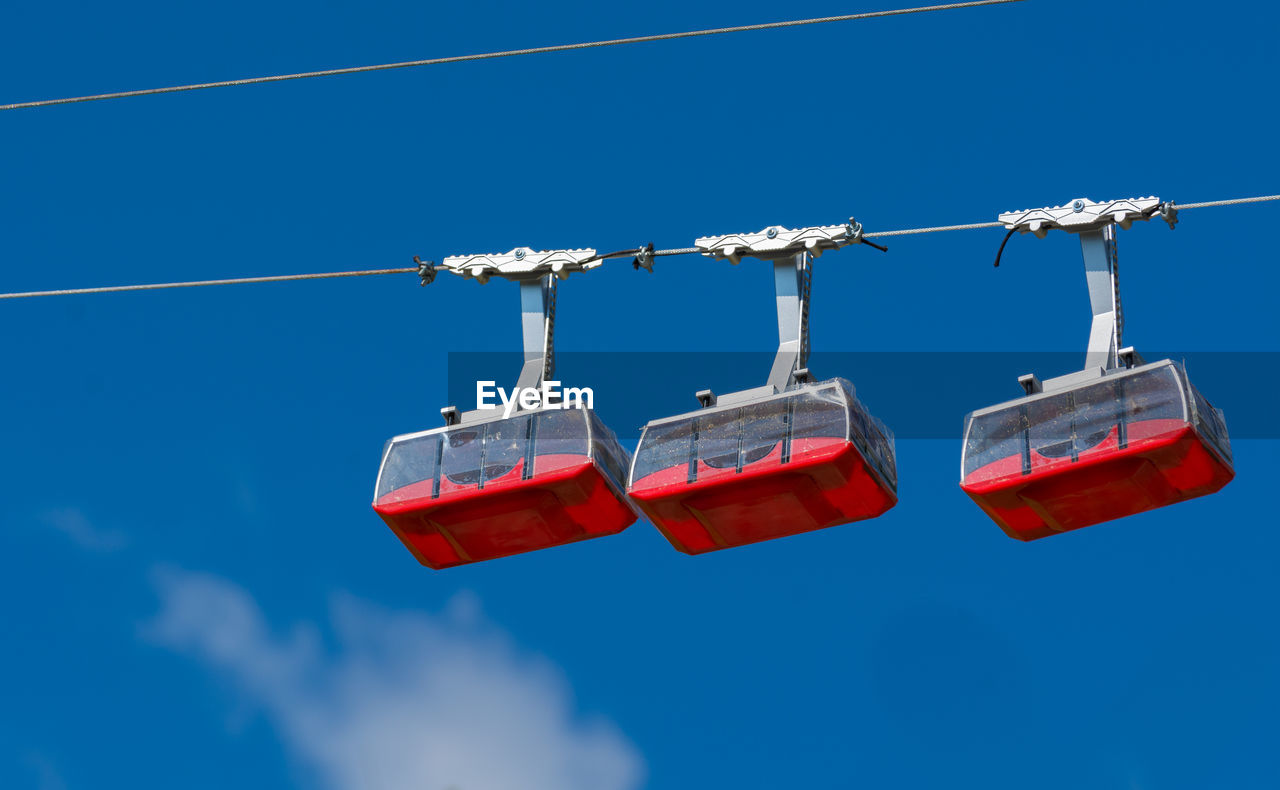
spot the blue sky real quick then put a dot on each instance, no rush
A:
(197, 593)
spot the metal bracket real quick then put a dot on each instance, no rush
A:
(1130, 358)
(1095, 223)
(1082, 215)
(1102, 273)
(538, 330)
(522, 264)
(779, 242)
(792, 252)
(537, 273)
(644, 259)
(792, 286)
(426, 271)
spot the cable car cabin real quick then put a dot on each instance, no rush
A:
(1131, 441)
(483, 490)
(731, 475)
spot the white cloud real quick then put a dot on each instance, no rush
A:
(73, 523)
(45, 772)
(405, 700)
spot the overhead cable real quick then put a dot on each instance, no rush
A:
(939, 229)
(280, 278)
(1232, 202)
(621, 253)
(504, 54)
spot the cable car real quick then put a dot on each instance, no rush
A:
(1118, 438)
(805, 459)
(490, 483)
(789, 457)
(1135, 440)
(485, 490)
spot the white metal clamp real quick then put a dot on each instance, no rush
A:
(522, 263)
(1082, 215)
(779, 242)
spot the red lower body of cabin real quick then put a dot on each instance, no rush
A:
(767, 499)
(508, 516)
(1105, 483)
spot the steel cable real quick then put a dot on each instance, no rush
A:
(414, 269)
(504, 54)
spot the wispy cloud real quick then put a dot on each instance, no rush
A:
(75, 525)
(45, 773)
(404, 699)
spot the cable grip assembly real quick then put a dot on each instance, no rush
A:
(522, 263)
(779, 242)
(1083, 214)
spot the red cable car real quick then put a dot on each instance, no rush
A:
(1137, 440)
(489, 484)
(1118, 438)
(789, 457)
(485, 490)
(727, 476)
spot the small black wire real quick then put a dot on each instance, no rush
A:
(1000, 252)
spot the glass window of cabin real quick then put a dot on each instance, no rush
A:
(994, 436)
(461, 452)
(1069, 423)
(819, 414)
(764, 427)
(664, 447)
(1097, 414)
(506, 442)
(408, 461)
(717, 437)
(1210, 423)
(607, 452)
(561, 432)
(497, 446)
(874, 441)
(1152, 395)
(560, 439)
(1050, 421)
